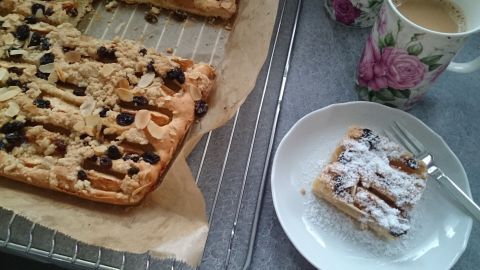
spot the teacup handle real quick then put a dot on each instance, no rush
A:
(464, 67)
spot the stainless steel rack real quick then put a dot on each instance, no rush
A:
(21, 237)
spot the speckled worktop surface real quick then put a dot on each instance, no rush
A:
(322, 68)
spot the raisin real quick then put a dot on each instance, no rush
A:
(42, 103)
(12, 82)
(106, 54)
(47, 59)
(60, 147)
(79, 91)
(113, 152)
(72, 12)
(397, 233)
(370, 137)
(105, 162)
(2, 145)
(12, 126)
(150, 67)
(201, 108)
(125, 119)
(82, 175)
(132, 171)
(338, 186)
(36, 7)
(143, 51)
(176, 74)
(16, 70)
(150, 157)
(44, 44)
(49, 12)
(412, 163)
(31, 19)
(15, 138)
(42, 75)
(132, 157)
(35, 39)
(103, 112)
(151, 17)
(140, 101)
(343, 159)
(22, 32)
(179, 15)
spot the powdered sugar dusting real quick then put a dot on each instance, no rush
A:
(324, 219)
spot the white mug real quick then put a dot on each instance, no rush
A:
(401, 59)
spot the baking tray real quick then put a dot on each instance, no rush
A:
(229, 163)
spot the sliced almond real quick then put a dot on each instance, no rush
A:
(3, 90)
(155, 130)
(142, 118)
(194, 92)
(160, 119)
(73, 56)
(146, 80)
(48, 68)
(3, 75)
(60, 74)
(10, 93)
(87, 106)
(13, 109)
(92, 120)
(124, 94)
(17, 52)
(106, 70)
(123, 83)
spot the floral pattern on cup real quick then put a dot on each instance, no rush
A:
(399, 62)
(355, 13)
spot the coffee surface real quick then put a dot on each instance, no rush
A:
(437, 15)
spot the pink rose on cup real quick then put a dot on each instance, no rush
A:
(345, 12)
(404, 71)
(371, 71)
(391, 67)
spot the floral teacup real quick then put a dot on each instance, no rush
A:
(355, 13)
(401, 59)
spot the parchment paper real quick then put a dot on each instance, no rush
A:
(171, 222)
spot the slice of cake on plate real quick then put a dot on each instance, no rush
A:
(371, 179)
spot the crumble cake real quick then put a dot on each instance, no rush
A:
(97, 119)
(372, 180)
(52, 12)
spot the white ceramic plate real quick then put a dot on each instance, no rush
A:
(442, 229)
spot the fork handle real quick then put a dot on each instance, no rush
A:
(469, 205)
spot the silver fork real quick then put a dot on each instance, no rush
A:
(405, 138)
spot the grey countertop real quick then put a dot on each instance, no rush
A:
(230, 161)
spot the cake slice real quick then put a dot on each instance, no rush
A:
(98, 119)
(372, 180)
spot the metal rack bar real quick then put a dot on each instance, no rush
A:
(266, 167)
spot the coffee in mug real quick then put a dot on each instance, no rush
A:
(411, 44)
(437, 15)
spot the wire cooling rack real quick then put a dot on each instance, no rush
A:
(230, 163)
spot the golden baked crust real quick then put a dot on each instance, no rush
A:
(372, 180)
(210, 8)
(52, 12)
(97, 119)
